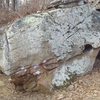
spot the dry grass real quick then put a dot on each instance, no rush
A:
(7, 16)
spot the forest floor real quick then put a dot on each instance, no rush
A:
(84, 88)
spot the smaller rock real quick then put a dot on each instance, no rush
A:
(1, 83)
(60, 97)
(71, 87)
(95, 95)
(80, 81)
(95, 91)
(75, 85)
(63, 3)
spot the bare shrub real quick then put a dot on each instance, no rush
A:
(9, 12)
(7, 16)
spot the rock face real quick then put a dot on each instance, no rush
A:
(79, 65)
(71, 35)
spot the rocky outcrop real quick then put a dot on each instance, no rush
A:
(69, 35)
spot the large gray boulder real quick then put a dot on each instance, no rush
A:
(71, 35)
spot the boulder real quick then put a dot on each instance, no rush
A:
(70, 35)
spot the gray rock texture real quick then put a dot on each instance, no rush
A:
(61, 34)
(79, 65)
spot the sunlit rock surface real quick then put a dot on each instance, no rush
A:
(60, 33)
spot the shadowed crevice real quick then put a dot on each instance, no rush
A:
(87, 48)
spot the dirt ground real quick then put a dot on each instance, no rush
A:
(84, 88)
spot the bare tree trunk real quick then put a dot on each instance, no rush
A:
(13, 4)
(7, 3)
(0, 3)
(17, 4)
